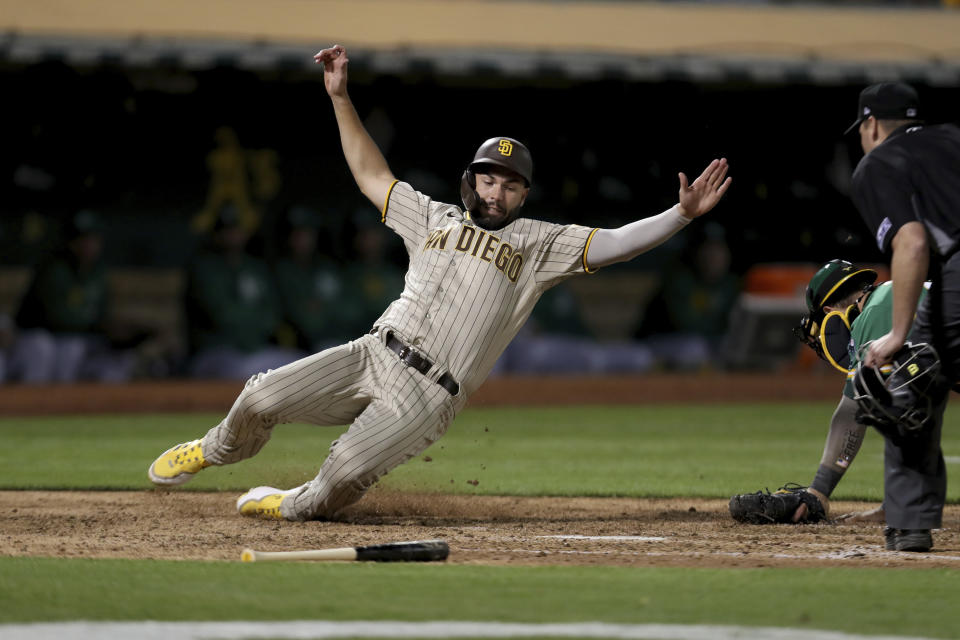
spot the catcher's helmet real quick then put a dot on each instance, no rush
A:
(899, 395)
(829, 285)
(504, 152)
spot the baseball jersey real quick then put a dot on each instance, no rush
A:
(912, 175)
(468, 291)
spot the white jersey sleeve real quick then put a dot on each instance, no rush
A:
(409, 213)
(561, 253)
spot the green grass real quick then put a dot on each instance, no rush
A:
(708, 451)
(836, 599)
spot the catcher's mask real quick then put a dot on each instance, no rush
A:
(898, 395)
(828, 334)
(504, 152)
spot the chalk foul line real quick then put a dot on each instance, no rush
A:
(321, 629)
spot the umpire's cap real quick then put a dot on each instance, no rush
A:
(833, 281)
(887, 100)
(505, 152)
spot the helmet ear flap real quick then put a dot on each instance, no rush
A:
(468, 191)
(834, 340)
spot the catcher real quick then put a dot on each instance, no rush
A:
(846, 310)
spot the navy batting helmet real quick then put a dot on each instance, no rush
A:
(503, 152)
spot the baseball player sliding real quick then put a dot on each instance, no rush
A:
(474, 276)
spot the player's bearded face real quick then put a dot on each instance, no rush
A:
(502, 193)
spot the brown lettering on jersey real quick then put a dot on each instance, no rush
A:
(466, 237)
(431, 239)
(503, 256)
(488, 249)
(443, 239)
(513, 270)
(476, 247)
(437, 239)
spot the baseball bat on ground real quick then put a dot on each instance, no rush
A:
(419, 551)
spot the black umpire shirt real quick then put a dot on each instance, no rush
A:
(912, 175)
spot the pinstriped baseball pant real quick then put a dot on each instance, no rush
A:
(394, 414)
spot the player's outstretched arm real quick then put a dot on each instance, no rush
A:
(366, 162)
(616, 245)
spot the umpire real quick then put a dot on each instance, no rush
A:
(907, 189)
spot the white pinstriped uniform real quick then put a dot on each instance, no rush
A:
(467, 293)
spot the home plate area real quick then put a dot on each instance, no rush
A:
(479, 530)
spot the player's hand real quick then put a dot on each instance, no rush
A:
(881, 350)
(334, 61)
(705, 192)
(801, 513)
(870, 515)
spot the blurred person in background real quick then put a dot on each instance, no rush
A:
(232, 307)
(311, 286)
(6, 339)
(63, 330)
(555, 340)
(373, 279)
(688, 318)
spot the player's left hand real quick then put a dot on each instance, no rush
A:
(698, 198)
(876, 514)
(334, 61)
(803, 511)
(881, 350)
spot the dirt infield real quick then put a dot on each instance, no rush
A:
(480, 529)
(684, 532)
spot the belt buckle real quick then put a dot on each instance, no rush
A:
(404, 352)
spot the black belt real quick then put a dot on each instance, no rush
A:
(413, 359)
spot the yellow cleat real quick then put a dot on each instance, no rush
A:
(262, 502)
(178, 465)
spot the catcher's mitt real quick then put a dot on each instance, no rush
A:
(764, 507)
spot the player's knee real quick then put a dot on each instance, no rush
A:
(256, 403)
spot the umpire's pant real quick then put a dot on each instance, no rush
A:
(915, 476)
